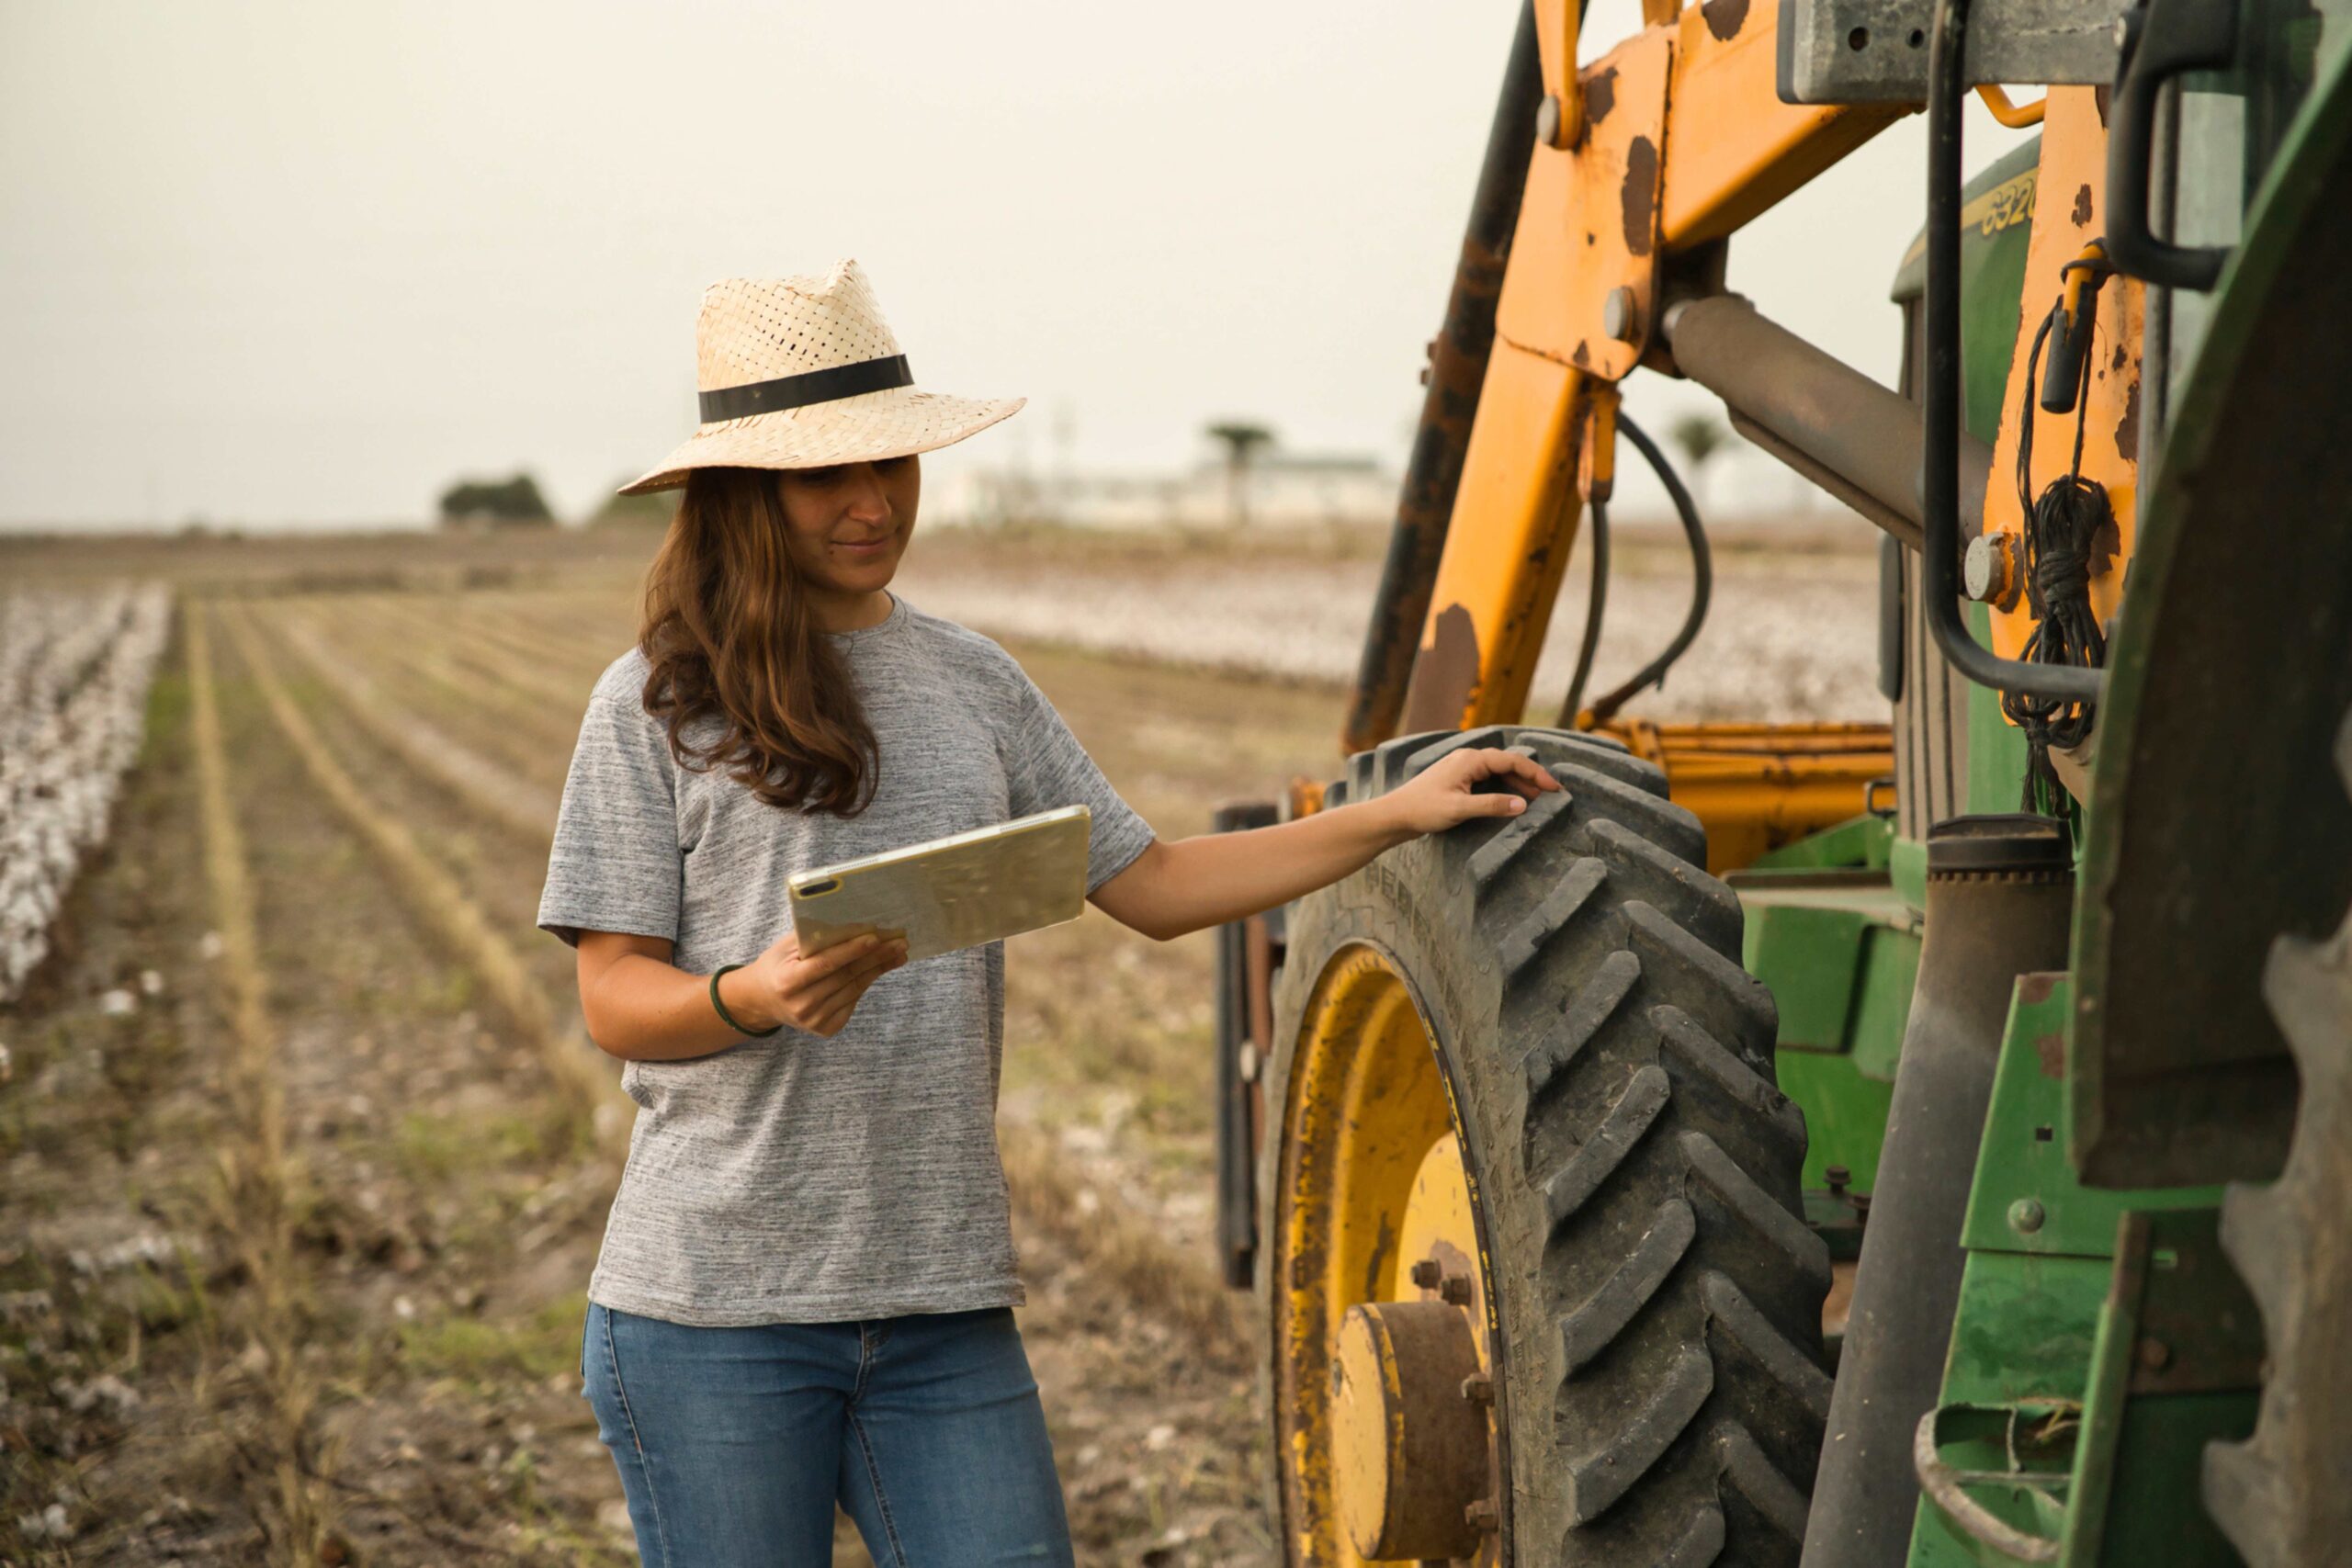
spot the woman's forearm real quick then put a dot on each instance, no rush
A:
(1216, 877)
(643, 1010)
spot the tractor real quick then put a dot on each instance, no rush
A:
(1922, 1142)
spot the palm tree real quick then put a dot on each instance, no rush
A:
(1700, 435)
(1242, 441)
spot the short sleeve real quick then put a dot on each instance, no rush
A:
(615, 865)
(1046, 767)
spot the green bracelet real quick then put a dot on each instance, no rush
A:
(727, 1017)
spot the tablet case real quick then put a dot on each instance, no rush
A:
(955, 892)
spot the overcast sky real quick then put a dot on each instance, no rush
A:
(286, 264)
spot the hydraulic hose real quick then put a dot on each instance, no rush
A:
(1594, 604)
(1703, 576)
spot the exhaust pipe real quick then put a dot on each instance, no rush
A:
(2000, 900)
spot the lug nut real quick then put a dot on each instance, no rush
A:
(1426, 1274)
(1480, 1515)
(1478, 1389)
(1454, 1290)
(1837, 1175)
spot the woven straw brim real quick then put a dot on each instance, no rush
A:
(864, 429)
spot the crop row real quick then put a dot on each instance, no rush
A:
(75, 669)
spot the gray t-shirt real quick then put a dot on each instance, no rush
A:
(798, 1178)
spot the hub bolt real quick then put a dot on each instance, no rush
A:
(1989, 570)
(1454, 1290)
(1426, 1273)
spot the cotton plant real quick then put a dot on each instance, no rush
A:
(75, 672)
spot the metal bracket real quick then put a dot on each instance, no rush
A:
(1875, 51)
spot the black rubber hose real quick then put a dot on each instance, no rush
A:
(1594, 606)
(1703, 575)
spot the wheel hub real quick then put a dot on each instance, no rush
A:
(1409, 1435)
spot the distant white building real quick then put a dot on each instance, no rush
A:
(1274, 489)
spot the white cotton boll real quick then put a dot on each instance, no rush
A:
(75, 667)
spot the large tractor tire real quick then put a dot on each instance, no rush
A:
(2284, 1495)
(1533, 1211)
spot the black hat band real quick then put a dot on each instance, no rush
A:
(811, 387)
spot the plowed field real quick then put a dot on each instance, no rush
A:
(292, 1245)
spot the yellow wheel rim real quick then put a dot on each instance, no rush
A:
(1371, 1181)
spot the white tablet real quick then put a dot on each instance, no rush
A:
(959, 891)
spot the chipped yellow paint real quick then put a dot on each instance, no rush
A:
(2073, 182)
(1365, 1105)
(1438, 1224)
(1598, 217)
(1515, 522)
(1367, 1427)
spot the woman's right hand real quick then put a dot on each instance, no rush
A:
(818, 991)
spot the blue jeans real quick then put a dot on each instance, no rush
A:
(735, 1444)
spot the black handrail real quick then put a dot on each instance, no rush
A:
(1940, 460)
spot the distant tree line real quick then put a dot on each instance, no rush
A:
(498, 501)
(517, 503)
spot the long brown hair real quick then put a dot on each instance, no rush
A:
(730, 632)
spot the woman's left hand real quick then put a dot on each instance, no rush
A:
(1440, 795)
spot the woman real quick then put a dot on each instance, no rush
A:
(806, 1287)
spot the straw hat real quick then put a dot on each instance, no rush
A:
(802, 373)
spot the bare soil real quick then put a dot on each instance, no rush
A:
(447, 1192)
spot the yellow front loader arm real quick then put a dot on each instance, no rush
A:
(1660, 150)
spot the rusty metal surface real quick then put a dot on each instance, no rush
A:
(1244, 1026)
(1457, 370)
(1409, 1445)
(1589, 227)
(1502, 569)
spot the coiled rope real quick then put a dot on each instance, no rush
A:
(2063, 527)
